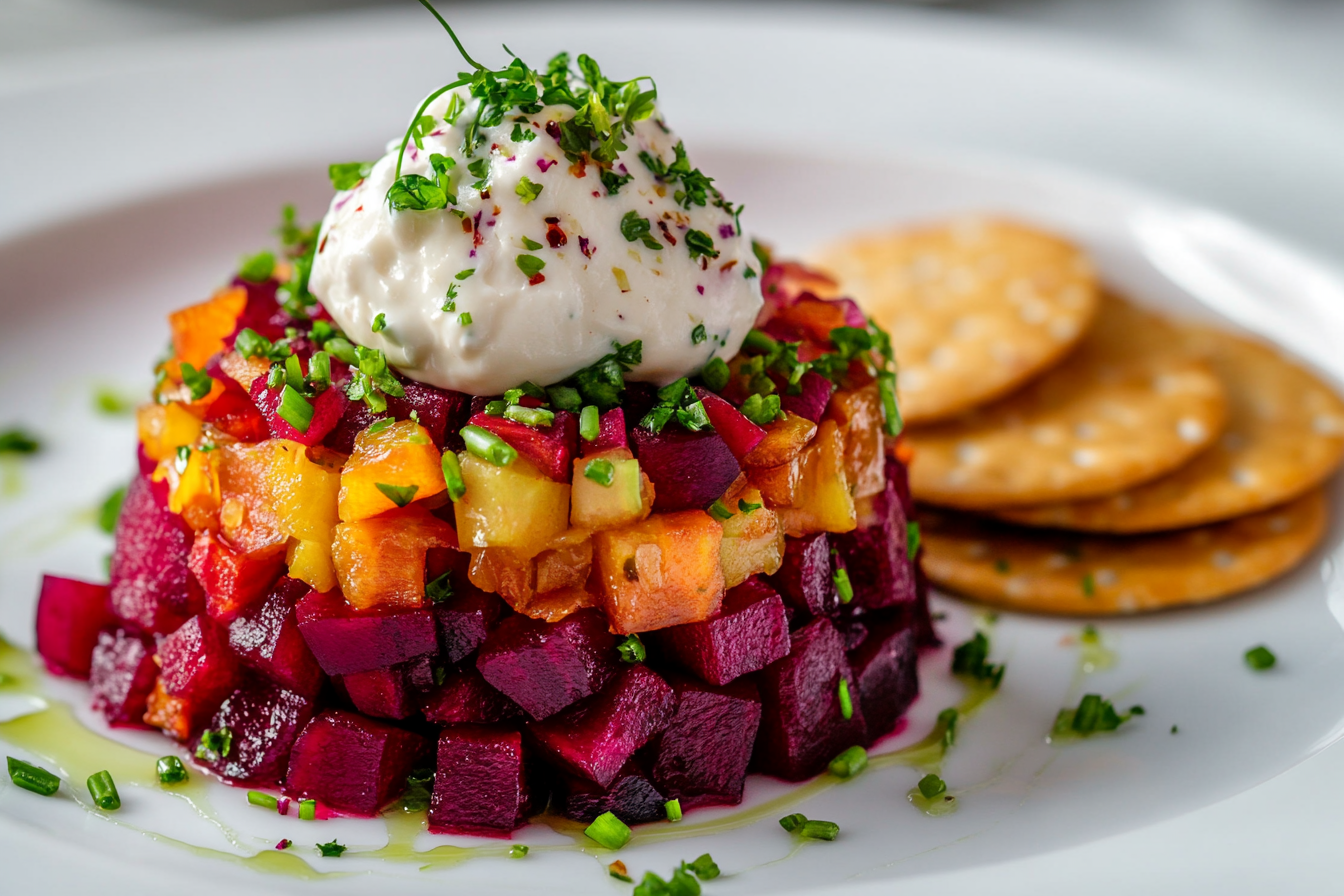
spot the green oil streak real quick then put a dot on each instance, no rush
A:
(1093, 654)
(11, 477)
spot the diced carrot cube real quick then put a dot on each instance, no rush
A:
(163, 428)
(381, 561)
(784, 440)
(662, 571)
(199, 330)
(247, 510)
(171, 714)
(392, 466)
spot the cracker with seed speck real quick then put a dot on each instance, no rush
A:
(1103, 575)
(1284, 436)
(1132, 403)
(975, 307)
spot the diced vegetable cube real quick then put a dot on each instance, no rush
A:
(248, 512)
(702, 755)
(515, 506)
(346, 640)
(199, 330)
(391, 467)
(70, 613)
(480, 786)
(885, 673)
(753, 539)
(381, 561)
(748, 633)
(163, 428)
(823, 502)
(632, 797)
(351, 763)
(327, 408)
(610, 434)
(263, 722)
(382, 693)
(266, 637)
(466, 697)
(196, 663)
(811, 401)
(608, 491)
(739, 433)
(550, 449)
(689, 470)
(859, 415)
(877, 558)
(121, 677)
(465, 620)
(660, 572)
(151, 586)
(232, 580)
(806, 578)
(544, 666)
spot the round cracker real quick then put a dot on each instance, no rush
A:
(1098, 575)
(975, 307)
(1132, 403)
(1284, 436)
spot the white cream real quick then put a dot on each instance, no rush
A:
(401, 264)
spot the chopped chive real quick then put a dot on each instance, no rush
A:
(891, 412)
(747, 507)
(1261, 658)
(264, 800)
(673, 809)
(1089, 585)
(931, 786)
(719, 511)
(518, 850)
(215, 744)
(307, 810)
(331, 850)
(849, 763)
(452, 475)
(793, 822)
(294, 409)
(590, 423)
(400, 495)
(31, 777)
(912, 540)
(465, 273)
(104, 791)
(464, 318)
(198, 381)
(704, 867)
(842, 585)
(496, 408)
(529, 416)
(846, 701)
(440, 590)
(970, 659)
(601, 471)
(618, 870)
(1174, 729)
(608, 831)
(257, 268)
(698, 335)
(819, 830)
(488, 446)
(632, 650)
(171, 770)
(532, 245)
(379, 322)
(715, 374)
(757, 341)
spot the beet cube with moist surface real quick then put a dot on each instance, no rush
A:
(121, 676)
(806, 577)
(885, 673)
(266, 638)
(466, 697)
(233, 580)
(351, 763)
(263, 722)
(465, 620)
(151, 586)
(749, 632)
(480, 784)
(546, 666)
(328, 407)
(550, 448)
(739, 433)
(594, 738)
(701, 757)
(346, 640)
(196, 663)
(812, 398)
(880, 568)
(382, 693)
(610, 434)
(70, 613)
(632, 797)
(689, 470)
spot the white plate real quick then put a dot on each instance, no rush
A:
(173, 193)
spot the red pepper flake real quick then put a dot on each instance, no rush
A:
(284, 844)
(360, 209)
(479, 240)
(662, 225)
(545, 164)
(700, 289)
(536, 278)
(579, 168)
(728, 266)
(585, 248)
(323, 246)
(485, 194)
(466, 225)
(554, 235)
(726, 232)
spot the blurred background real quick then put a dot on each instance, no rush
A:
(1292, 45)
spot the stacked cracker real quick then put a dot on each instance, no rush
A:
(1075, 453)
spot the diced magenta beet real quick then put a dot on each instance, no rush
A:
(420, 674)
(550, 448)
(876, 557)
(466, 697)
(923, 618)
(382, 693)
(263, 722)
(802, 726)
(852, 628)
(885, 673)
(631, 797)
(152, 589)
(234, 413)
(346, 640)
(121, 676)
(739, 433)
(439, 411)
(262, 312)
(546, 666)
(805, 577)
(596, 736)
(328, 407)
(811, 400)
(70, 613)
(610, 433)
(354, 419)
(350, 763)
(233, 580)
(266, 637)
(702, 755)
(749, 632)
(143, 462)
(898, 474)
(465, 620)
(196, 663)
(480, 783)
(689, 470)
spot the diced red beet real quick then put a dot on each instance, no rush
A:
(354, 419)
(631, 797)
(382, 693)
(121, 676)
(701, 757)
(266, 637)
(465, 696)
(689, 470)
(749, 632)
(144, 463)
(610, 433)
(439, 411)
(234, 413)
(885, 673)
(805, 577)
(350, 763)
(262, 312)
(196, 663)
(812, 400)
(263, 722)
(923, 618)
(546, 666)
(152, 588)
(346, 640)
(550, 448)
(232, 580)
(739, 433)
(420, 675)
(802, 727)
(70, 613)
(328, 407)
(879, 566)
(480, 785)
(594, 738)
(899, 475)
(465, 621)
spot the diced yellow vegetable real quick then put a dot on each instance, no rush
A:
(514, 507)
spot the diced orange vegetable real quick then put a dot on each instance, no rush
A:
(659, 572)
(172, 714)
(778, 485)
(784, 440)
(310, 561)
(823, 502)
(552, 606)
(163, 428)
(247, 508)
(243, 370)
(305, 486)
(381, 561)
(193, 488)
(515, 507)
(505, 572)
(233, 580)
(859, 415)
(814, 317)
(566, 563)
(753, 541)
(199, 330)
(904, 451)
(391, 467)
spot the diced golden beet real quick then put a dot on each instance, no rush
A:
(596, 506)
(660, 572)
(552, 606)
(563, 566)
(310, 562)
(243, 370)
(514, 507)
(163, 428)
(784, 440)
(566, 563)
(193, 488)
(753, 541)
(169, 713)
(505, 572)
(859, 415)
(778, 485)
(400, 458)
(247, 510)
(199, 330)
(823, 502)
(305, 486)
(381, 561)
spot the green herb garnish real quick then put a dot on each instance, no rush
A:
(969, 659)
(849, 763)
(103, 791)
(347, 175)
(1261, 658)
(31, 777)
(632, 650)
(608, 831)
(331, 850)
(18, 441)
(1093, 716)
